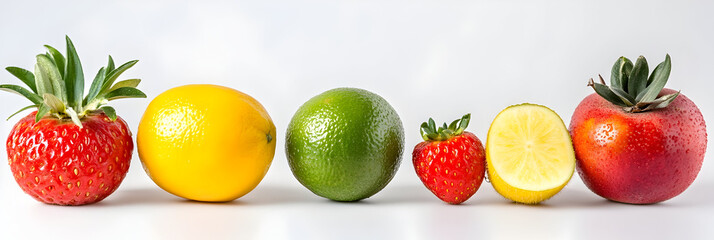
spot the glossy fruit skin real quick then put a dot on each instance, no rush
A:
(56, 162)
(453, 169)
(345, 144)
(638, 158)
(206, 142)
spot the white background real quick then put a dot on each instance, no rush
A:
(436, 59)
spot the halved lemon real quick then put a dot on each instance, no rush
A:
(529, 153)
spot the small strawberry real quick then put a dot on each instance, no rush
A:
(450, 162)
(72, 150)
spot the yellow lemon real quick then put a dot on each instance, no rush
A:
(206, 142)
(529, 153)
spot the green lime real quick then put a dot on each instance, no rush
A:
(345, 144)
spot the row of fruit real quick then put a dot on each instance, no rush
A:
(633, 141)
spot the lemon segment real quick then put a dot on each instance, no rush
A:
(529, 153)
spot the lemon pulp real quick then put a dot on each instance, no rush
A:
(529, 153)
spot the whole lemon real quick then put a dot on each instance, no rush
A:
(206, 142)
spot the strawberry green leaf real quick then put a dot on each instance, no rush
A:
(55, 104)
(124, 92)
(616, 74)
(464, 122)
(19, 111)
(626, 98)
(73, 76)
(126, 83)
(96, 85)
(453, 125)
(446, 134)
(660, 102)
(440, 135)
(666, 100)
(625, 71)
(25, 76)
(432, 124)
(42, 110)
(110, 66)
(110, 112)
(429, 132)
(657, 80)
(42, 82)
(606, 93)
(109, 81)
(638, 78)
(620, 73)
(34, 98)
(50, 74)
(57, 58)
(75, 118)
(424, 130)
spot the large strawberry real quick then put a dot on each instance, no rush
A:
(73, 150)
(636, 141)
(450, 162)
